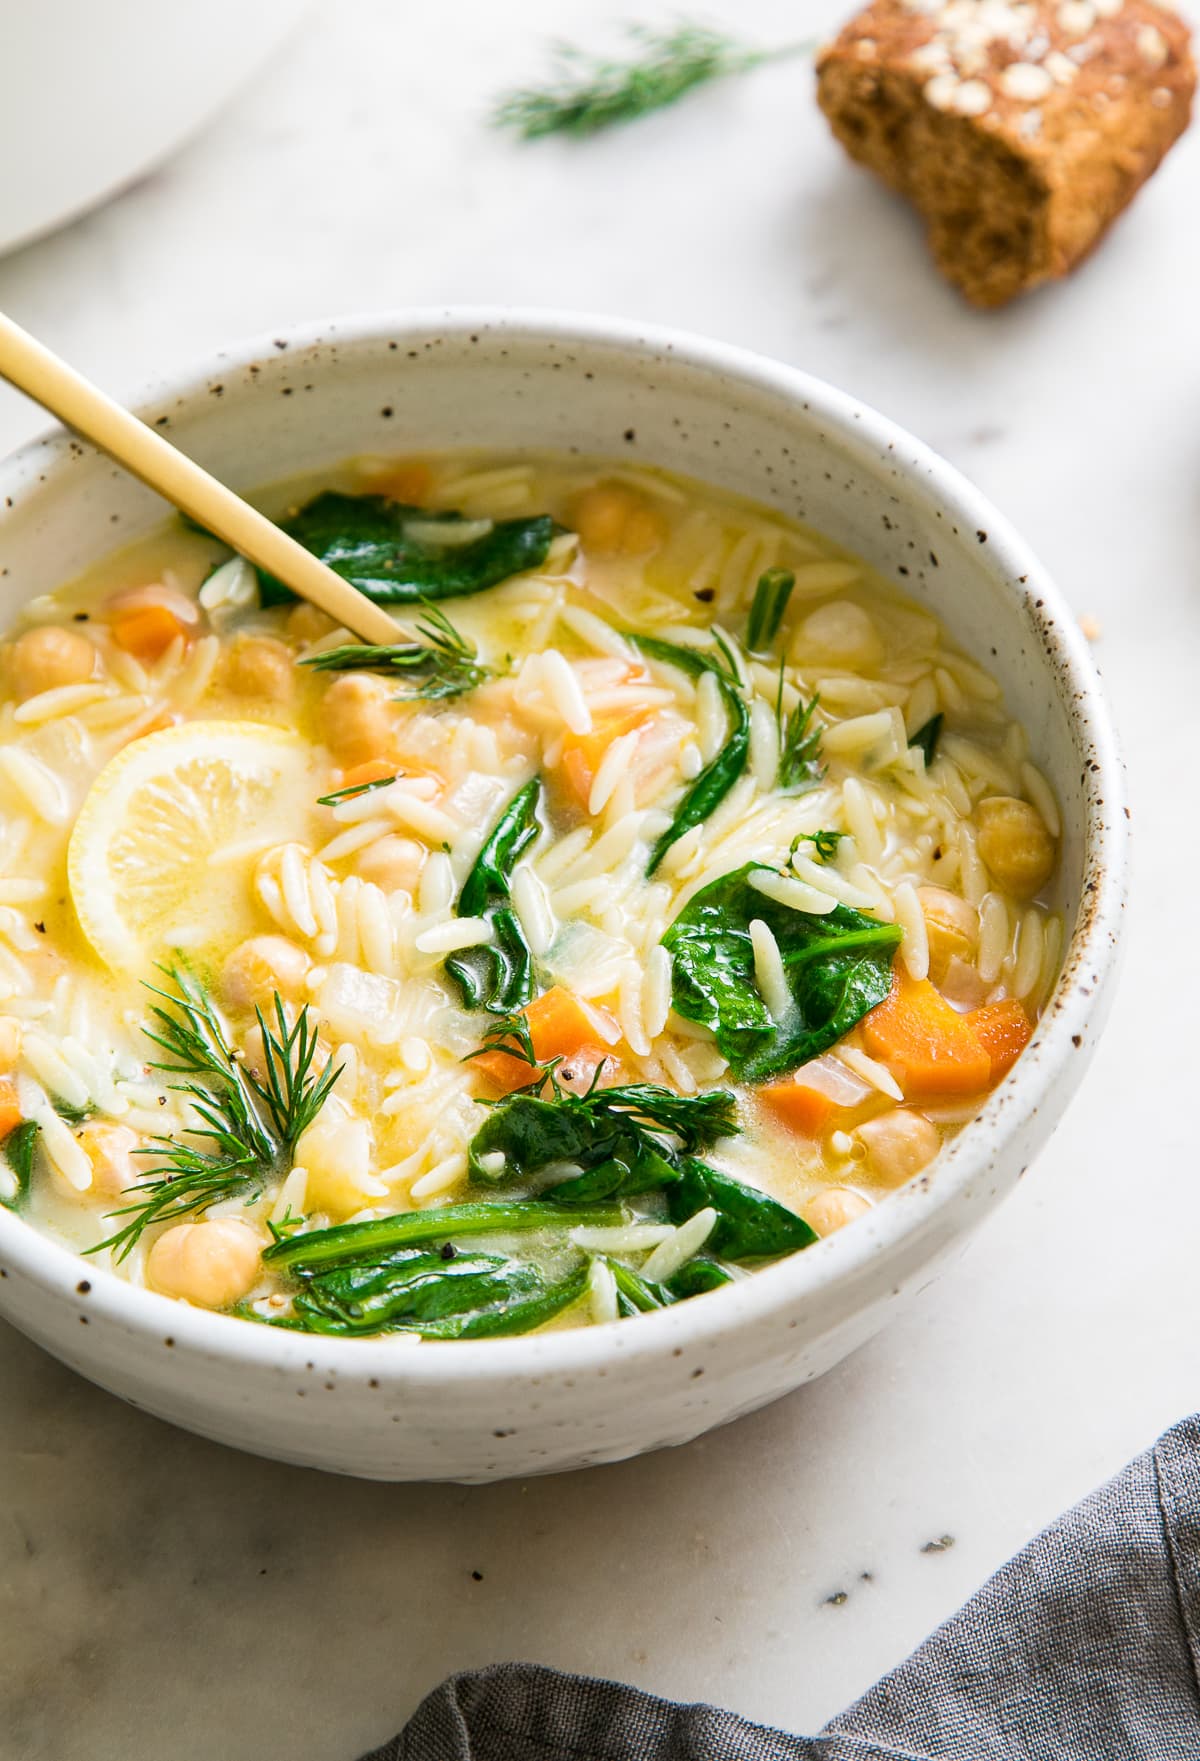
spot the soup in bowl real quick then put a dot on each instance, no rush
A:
(656, 916)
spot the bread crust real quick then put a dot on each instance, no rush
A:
(1018, 128)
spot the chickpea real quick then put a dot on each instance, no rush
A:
(393, 863)
(12, 1037)
(109, 1148)
(609, 517)
(840, 634)
(259, 666)
(260, 966)
(1015, 844)
(833, 1208)
(306, 623)
(951, 928)
(357, 718)
(43, 658)
(644, 532)
(212, 1264)
(898, 1145)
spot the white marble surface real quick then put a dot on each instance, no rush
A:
(160, 1596)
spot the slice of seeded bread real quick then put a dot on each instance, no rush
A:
(1018, 128)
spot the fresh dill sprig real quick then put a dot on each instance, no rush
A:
(587, 93)
(442, 663)
(698, 1120)
(771, 596)
(355, 790)
(187, 1029)
(248, 1127)
(512, 1034)
(800, 762)
(290, 1092)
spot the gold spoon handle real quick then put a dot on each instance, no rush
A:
(85, 408)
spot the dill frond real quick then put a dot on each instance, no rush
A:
(587, 93)
(801, 765)
(247, 1128)
(513, 1035)
(441, 663)
(355, 790)
(289, 1091)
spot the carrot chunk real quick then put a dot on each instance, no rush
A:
(583, 754)
(10, 1112)
(929, 1047)
(560, 1026)
(147, 631)
(805, 1109)
(1003, 1030)
(809, 1097)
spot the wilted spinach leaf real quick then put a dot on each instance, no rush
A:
(394, 553)
(382, 1240)
(696, 1277)
(838, 966)
(519, 1316)
(750, 1224)
(706, 792)
(19, 1146)
(498, 975)
(412, 1289)
(928, 735)
(625, 1140)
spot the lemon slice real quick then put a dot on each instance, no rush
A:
(161, 855)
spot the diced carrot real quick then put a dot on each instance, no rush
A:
(818, 1094)
(1003, 1030)
(372, 770)
(583, 754)
(929, 1047)
(560, 1026)
(10, 1112)
(408, 482)
(147, 631)
(805, 1109)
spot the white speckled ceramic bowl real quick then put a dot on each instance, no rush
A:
(478, 1411)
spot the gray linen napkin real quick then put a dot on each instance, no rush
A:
(1085, 1646)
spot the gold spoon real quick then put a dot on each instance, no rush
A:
(85, 408)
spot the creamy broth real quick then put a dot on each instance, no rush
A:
(678, 890)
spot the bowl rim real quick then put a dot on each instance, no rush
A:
(840, 1261)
